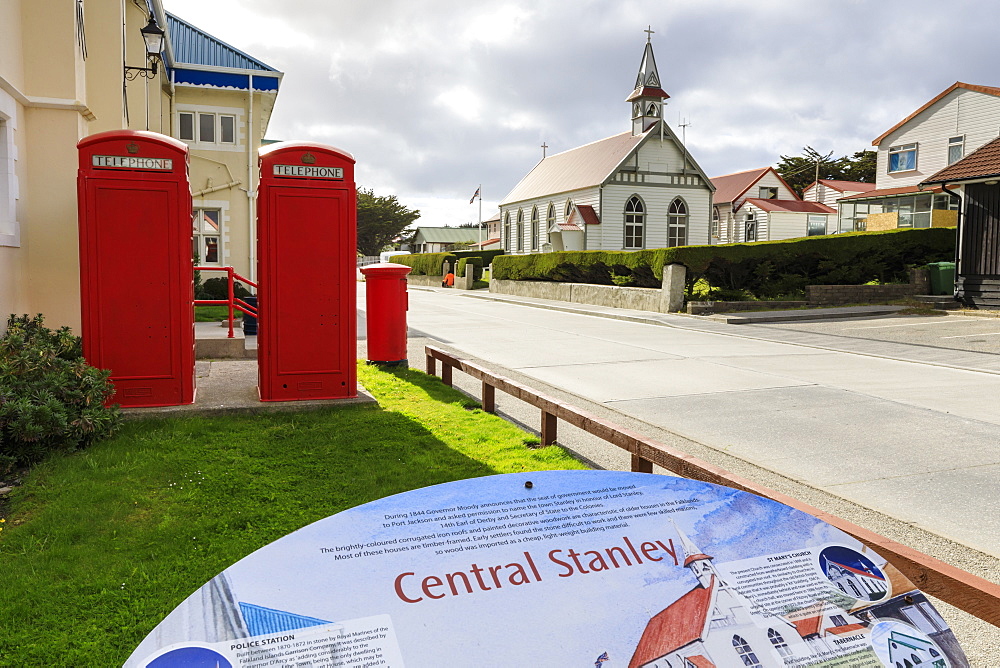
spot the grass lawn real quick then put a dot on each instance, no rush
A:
(100, 545)
(214, 313)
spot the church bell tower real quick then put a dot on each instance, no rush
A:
(648, 98)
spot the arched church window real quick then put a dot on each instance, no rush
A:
(854, 588)
(569, 207)
(506, 231)
(534, 228)
(745, 652)
(550, 219)
(635, 222)
(651, 109)
(677, 223)
(779, 643)
(520, 229)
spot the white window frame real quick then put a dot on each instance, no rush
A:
(634, 223)
(900, 150)
(770, 189)
(750, 222)
(10, 228)
(217, 116)
(678, 221)
(811, 218)
(534, 228)
(520, 229)
(958, 142)
(199, 236)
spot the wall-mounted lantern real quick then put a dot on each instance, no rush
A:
(153, 36)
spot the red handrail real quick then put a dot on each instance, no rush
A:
(233, 302)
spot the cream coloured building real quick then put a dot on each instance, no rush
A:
(69, 70)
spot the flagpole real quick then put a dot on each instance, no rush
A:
(480, 191)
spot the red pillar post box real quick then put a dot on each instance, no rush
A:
(306, 243)
(136, 266)
(387, 302)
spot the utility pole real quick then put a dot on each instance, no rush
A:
(684, 134)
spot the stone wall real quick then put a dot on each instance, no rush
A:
(640, 299)
(706, 308)
(827, 295)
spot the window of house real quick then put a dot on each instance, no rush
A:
(767, 192)
(779, 643)
(745, 652)
(9, 232)
(520, 229)
(677, 223)
(956, 148)
(945, 202)
(185, 126)
(206, 128)
(750, 227)
(210, 129)
(816, 224)
(206, 242)
(715, 222)
(534, 228)
(635, 222)
(902, 158)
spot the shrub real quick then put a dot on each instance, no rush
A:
(50, 398)
(217, 288)
(763, 270)
(425, 264)
(476, 262)
(486, 255)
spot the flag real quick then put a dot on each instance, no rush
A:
(476, 195)
(601, 659)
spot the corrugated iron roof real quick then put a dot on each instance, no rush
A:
(890, 192)
(581, 167)
(789, 205)
(447, 235)
(844, 186)
(729, 187)
(981, 163)
(194, 46)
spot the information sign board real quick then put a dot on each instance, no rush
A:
(559, 568)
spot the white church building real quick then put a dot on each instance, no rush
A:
(639, 189)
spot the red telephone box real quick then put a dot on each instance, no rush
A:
(136, 267)
(306, 259)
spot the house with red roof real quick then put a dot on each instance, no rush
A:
(639, 189)
(711, 626)
(757, 205)
(828, 191)
(950, 126)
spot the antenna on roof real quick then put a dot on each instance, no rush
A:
(683, 125)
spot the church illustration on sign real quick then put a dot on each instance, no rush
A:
(711, 626)
(862, 580)
(639, 189)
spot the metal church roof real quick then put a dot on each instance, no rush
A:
(194, 46)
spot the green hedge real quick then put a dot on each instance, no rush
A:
(486, 255)
(425, 264)
(476, 262)
(763, 270)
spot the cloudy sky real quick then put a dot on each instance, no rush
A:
(434, 97)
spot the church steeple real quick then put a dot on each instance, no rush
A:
(648, 98)
(699, 562)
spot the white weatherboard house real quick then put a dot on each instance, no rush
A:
(757, 205)
(828, 191)
(638, 189)
(955, 123)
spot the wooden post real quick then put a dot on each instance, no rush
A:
(489, 398)
(446, 373)
(640, 465)
(549, 423)
(431, 365)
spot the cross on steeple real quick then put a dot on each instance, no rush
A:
(649, 33)
(544, 146)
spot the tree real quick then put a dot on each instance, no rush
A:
(800, 171)
(381, 219)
